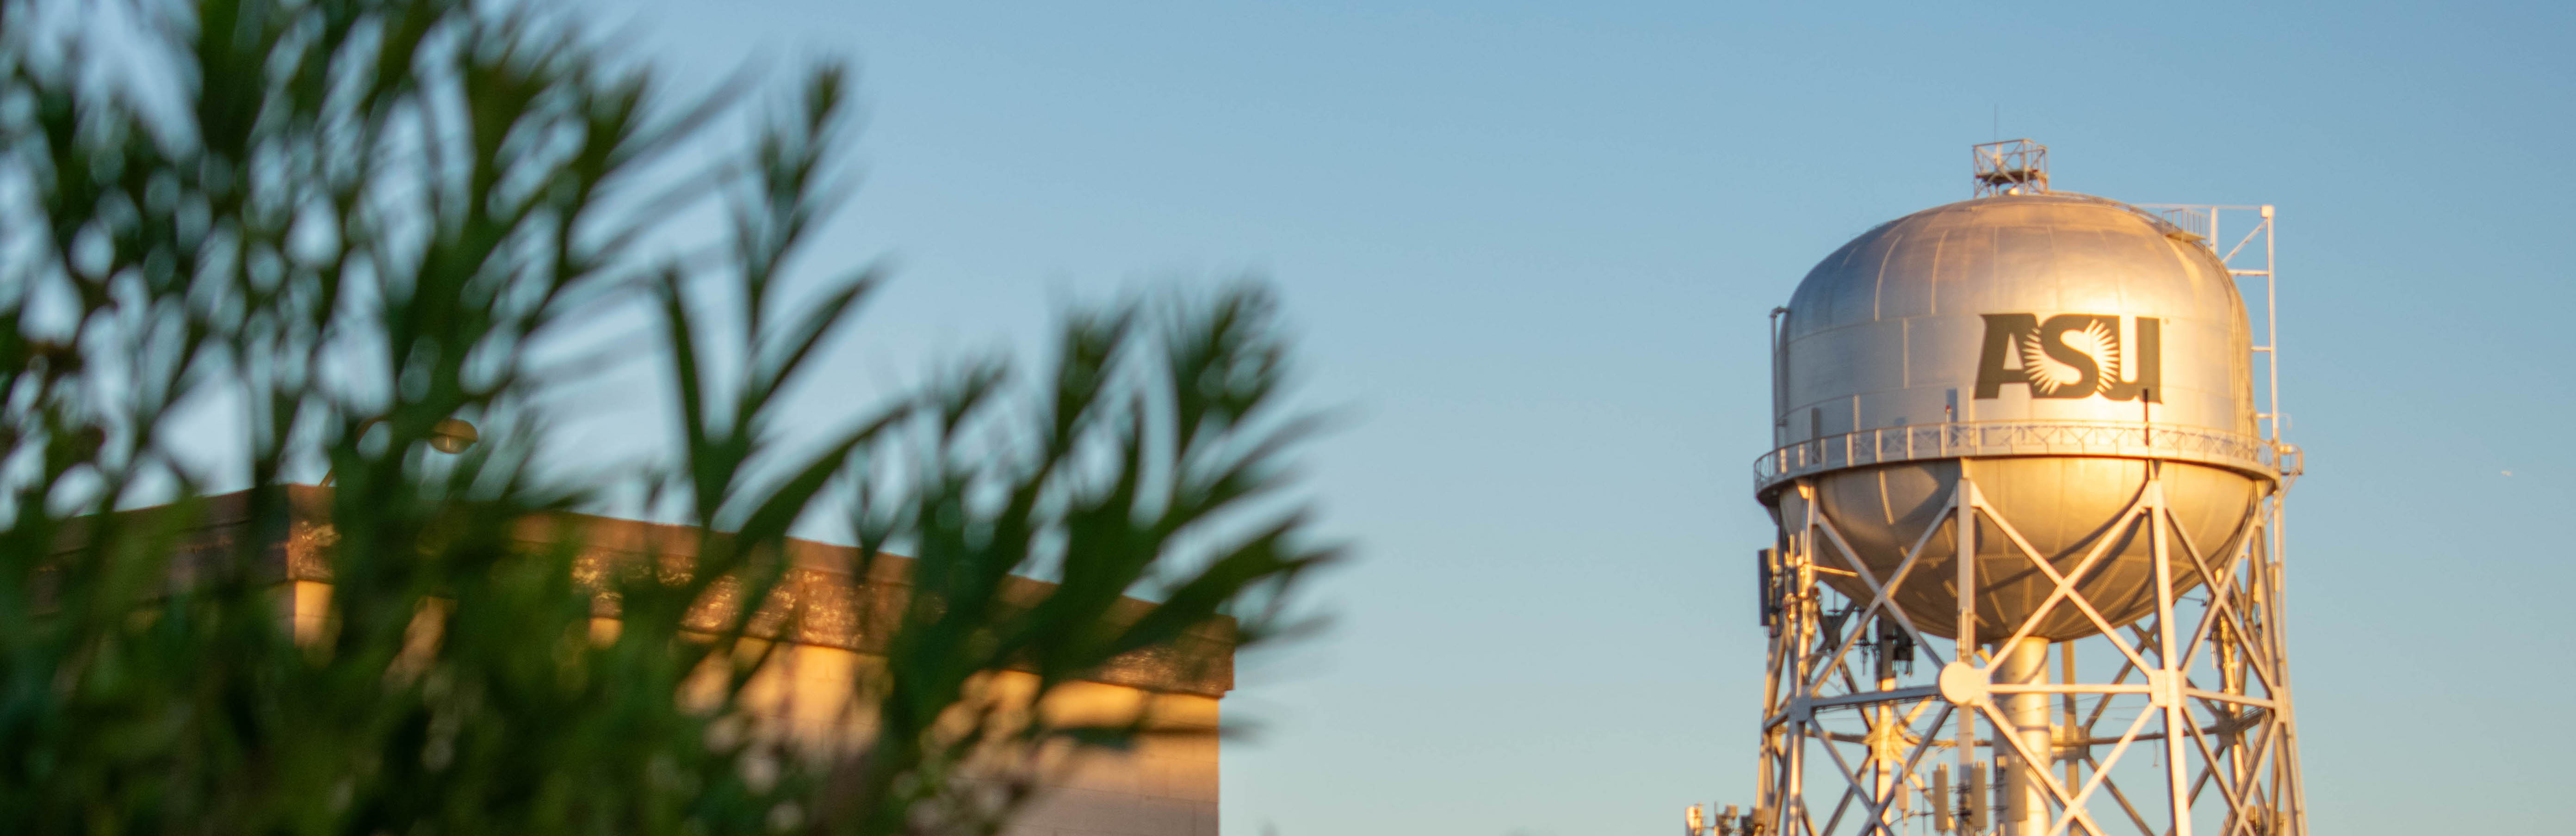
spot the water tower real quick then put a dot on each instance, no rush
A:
(2028, 574)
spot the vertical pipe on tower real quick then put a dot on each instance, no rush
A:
(2025, 662)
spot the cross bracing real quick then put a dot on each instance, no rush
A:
(1875, 725)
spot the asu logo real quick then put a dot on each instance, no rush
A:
(2072, 356)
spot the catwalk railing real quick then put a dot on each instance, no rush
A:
(1890, 445)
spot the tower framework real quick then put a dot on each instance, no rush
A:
(2180, 722)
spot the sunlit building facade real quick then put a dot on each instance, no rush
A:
(831, 629)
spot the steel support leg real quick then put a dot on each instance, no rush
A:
(2026, 793)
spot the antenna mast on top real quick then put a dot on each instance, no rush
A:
(2013, 166)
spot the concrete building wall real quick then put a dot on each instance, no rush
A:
(1165, 785)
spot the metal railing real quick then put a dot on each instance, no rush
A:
(2191, 219)
(1889, 445)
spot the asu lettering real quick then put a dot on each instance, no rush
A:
(2072, 356)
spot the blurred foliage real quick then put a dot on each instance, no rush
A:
(307, 233)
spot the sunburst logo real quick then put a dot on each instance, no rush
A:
(2053, 378)
(2072, 356)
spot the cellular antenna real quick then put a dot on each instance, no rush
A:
(2013, 166)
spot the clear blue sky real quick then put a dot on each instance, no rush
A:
(1533, 246)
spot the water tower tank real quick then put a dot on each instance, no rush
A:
(2019, 439)
(2052, 346)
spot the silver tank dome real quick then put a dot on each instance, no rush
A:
(2051, 345)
